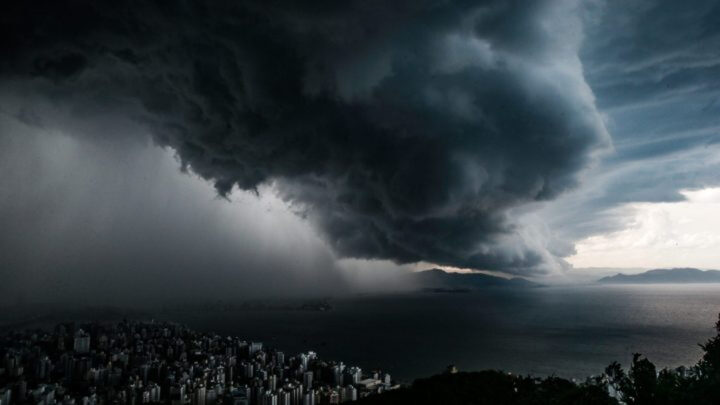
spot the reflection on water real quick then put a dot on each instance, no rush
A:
(571, 332)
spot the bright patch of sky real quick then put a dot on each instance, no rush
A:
(668, 234)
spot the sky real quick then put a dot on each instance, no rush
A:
(302, 148)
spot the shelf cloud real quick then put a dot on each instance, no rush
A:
(404, 130)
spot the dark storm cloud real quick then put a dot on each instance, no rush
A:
(404, 130)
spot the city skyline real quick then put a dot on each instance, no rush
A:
(136, 362)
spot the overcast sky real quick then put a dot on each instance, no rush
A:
(199, 149)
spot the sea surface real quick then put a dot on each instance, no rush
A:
(572, 332)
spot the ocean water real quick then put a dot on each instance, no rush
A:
(571, 332)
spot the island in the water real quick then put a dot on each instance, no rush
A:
(437, 280)
(659, 276)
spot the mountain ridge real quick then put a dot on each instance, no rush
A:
(442, 281)
(682, 275)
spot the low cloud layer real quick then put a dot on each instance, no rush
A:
(405, 131)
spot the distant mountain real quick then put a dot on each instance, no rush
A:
(681, 275)
(436, 280)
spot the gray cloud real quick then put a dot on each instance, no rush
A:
(403, 130)
(647, 51)
(655, 69)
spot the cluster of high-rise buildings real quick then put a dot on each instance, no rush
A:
(132, 363)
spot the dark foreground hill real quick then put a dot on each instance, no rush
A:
(440, 280)
(659, 276)
(491, 388)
